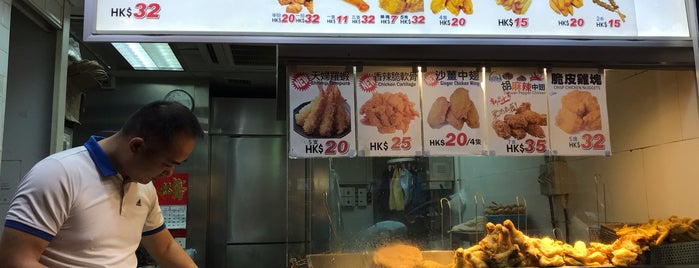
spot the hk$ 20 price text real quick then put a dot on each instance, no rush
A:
(329, 147)
(455, 139)
(138, 11)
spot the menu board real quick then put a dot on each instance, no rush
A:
(388, 112)
(321, 103)
(390, 18)
(516, 107)
(578, 110)
(454, 112)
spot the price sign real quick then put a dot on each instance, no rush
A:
(516, 107)
(139, 10)
(388, 112)
(578, 110)
(322, 109)
(453, 109)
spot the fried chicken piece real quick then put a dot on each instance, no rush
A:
(623, 257)
(472, 118)
(415, 5)
(596, 258)
(436, 5)
(461, 103)
(523, 107)
(284, 2)
(593, 120)
(518, 133)
(454, 121)
(535, 130)
(388, 112)
(575, 254)
(555, 261)
(516, 121)
(360, 4)
(534, 117)
(438, 112)
(575, 101)
(502, 129)
(309, 6)
(477, 259)
(393, 7)
(467, 7)
(568, 121)
(294, 8)
(454, 6)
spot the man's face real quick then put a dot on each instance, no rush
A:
(151, 163)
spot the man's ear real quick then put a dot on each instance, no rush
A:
(136, 144)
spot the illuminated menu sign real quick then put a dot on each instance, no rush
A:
(391, 18)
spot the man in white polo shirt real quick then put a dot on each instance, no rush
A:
(92, 205)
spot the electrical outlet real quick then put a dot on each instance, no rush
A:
(182, 241)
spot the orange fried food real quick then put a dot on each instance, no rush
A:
(502, 129)
(579, 111)
(396, 7)
(414, 5)
(516, 121)
(535, 130)
(436, 5)
(360, 4)
(388, 112)
(438, 112)
(398, 256)
(454, 121)
(325, 115)
(518, 133)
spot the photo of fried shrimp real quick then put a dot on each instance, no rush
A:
(325, 116)
(524, 121)
(579, 111)
(360, 4)
(388, 112)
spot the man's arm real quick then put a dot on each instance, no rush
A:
(166, 252)
(20, 249)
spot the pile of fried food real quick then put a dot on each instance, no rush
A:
(325, 115)
(565, 7)
(388, 112)
(455, 111)
(523, 121)
(657, 232)
(505, 246)
(296, 6)
(579, 111)
(454, 6)
(518, 7)
(396, 7)
(500, 209)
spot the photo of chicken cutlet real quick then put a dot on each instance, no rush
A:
(579, 111)
(326, 116)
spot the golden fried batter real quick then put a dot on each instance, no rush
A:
(568, 121)
(394, 7)
(454, 121)
(360, 4)
(388, 112)
(398, 256)
(536, 131)
(325, 115)
(438, 112)
(579, 111)
(502, 129)
(436, 5)
(516, 121)
(518, 133)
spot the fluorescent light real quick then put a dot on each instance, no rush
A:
(149, 56)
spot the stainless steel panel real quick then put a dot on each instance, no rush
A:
(246, 117)
(256, 190)
(245, 256)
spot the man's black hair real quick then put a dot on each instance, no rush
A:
(159, 122)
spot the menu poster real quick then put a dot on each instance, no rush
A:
(517, 111)
(321, 103)
(454, 112)
(388, 113)
(578, 110)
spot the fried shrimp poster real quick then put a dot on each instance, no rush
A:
(453, 105)
(578, 108)
(321, 100)
(517, 111)
(388, 113)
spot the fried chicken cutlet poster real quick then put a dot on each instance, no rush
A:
(578, 109)
(321, 100)
(389, 112)
(453, 105)
(517, 112)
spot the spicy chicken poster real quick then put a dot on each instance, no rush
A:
(321, 103)
(578, 109)
(388, 113)
(516, 107)
(453, 105)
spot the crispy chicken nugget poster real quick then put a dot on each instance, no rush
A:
(388, 113)
(321, 100)
(516, 107)
(578, 108)
(453, 105)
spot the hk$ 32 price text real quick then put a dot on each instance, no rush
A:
(138, 11)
